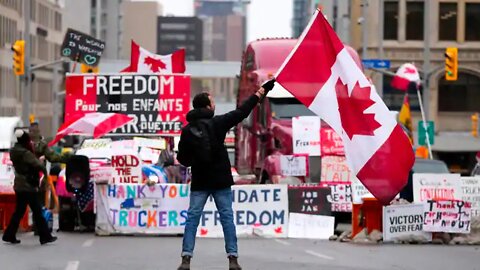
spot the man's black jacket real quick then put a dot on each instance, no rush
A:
(217, 175)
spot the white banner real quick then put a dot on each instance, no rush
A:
(306, 135)
(447, 216)
(291, 165)
(141, 209)
(404, 220)
(310, 226)
(471, 193)
(429, 186)
(263, 208)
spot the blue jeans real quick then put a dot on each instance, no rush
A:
(223, 201)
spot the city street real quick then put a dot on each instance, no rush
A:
(86, 251)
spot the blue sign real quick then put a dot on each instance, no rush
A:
(376, 63)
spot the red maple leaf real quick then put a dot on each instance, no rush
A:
(203, 231)
(278, 230)
(409, 70)
(351, 108)
(155, 64)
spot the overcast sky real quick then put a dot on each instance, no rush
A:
(266, 18)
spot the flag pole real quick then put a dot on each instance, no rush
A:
(427, 137)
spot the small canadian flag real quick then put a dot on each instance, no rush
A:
(143, 61)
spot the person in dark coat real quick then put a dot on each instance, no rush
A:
(212, 175)
(26, 185)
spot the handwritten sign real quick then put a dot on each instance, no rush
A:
(359, 191)
(447, 216)
(436, 187)
(82, 48)
(157, 103)
(96, 144)
(310, 226)
(332, 144)
(131, 208)
(309, 199)
(403, 221)
(471, 193)
(260, 207)
(126, 169)
(341, 198)
(334, 170)
(291, 165)
(306, 135)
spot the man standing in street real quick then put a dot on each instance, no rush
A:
(202, 147)
(26, 186)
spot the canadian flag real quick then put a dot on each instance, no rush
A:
(406, 74)
(321, 73)
(143, 61)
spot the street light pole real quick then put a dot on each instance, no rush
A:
(364, 28)
(27, 93)
(381, 7)
(426, 59)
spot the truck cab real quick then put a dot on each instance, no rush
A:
(266, 134)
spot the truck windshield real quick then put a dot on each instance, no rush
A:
(286, 108)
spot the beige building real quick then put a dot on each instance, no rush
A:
(452, 24)
(140, 23)
(46, 38)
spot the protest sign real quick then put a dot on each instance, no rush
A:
(331, 143)
(260, 207)
(157, 103)
(310, 226)
(400, 221)
(306, 135)
(429, 186)
(447, 216)
(341, 198)
(359, 191)
(335, 171)
(471, 193)
(141, 209)
(309, 199)
(80, 47)
(7, 173)
(293, 165)
(127, 169)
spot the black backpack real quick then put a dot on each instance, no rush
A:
(202, 142)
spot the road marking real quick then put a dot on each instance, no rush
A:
(88, 243)
(285, 243)
(72, 265)
(319, 255)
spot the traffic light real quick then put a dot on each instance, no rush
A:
(88, 69)
(475, 125)
(19, 57)
(451, 64)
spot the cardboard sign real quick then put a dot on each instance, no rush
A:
(402, 221)
(447, 216)
(471, 193)
(332, 144)
(436, 187)
(334, 170)
(158, 103)
(127, 169)
(341, 198)
(150, 143)
(291, 165)
(130, 208)
(260, 207)
(310, 226)
(306, 135)
(96, 144)
(80, 47)
(309, 199)
(359, 191)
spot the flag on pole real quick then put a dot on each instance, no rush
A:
(406, 74)
(321, 73)
(143, 61)
(405, 118)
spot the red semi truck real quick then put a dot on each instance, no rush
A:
(266, 134)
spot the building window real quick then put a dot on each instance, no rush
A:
(175, 26)
(414, 29)
(472, 22)
(461, 95)
(390, 20)
(447, 21)
(58, 21)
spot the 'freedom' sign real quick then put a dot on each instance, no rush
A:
(158, 103)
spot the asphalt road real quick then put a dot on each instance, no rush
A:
(75, 251)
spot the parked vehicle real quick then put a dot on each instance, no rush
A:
(266, 134)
